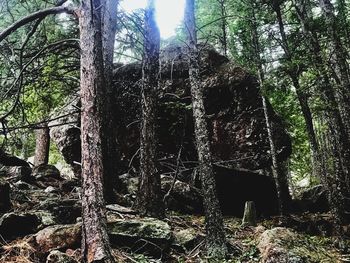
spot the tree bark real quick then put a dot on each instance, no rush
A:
(337, 185)
(95, 241)
(149, 199)
(340, 59)
(317, 164)
(42, 147)
(109, 144)
(280, 178)
(215, 239)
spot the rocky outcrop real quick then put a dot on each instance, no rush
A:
(233, 104)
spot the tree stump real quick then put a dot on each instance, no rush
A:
(249, 217)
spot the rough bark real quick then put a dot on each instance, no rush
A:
(223, 14)
(109, 144)
(317, 164)
(42, 146)
(149, 200)
(335, 184)
(215, 239)
(340, 59)
(249, 217)
(278, 174)
(95, 242)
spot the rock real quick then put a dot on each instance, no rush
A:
(187, 238)
(13, 225)
(274, 246)
(65, 211)
(21, 185)
(45, 170)
(233, 103)
(184, 198)
(23, 173)
(5, 202)
(50, 189)
(148, 235)
(58, 237)
(57, 256)
(315, 200)
(235, 187)
(45, 217)
(120, 209)
(66, 133)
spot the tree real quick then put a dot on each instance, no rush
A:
(42, 146)
(293, 71)
(109, 145)
(95, 242)
(335, 184)
(279, 176)
(215, 239)
(149, 200)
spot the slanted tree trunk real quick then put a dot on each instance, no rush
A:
(215, 239)
(109, 144)
(317, 164)
(149, 199)
(223, 26)
(42, 146)
(280, 178)
(339, 195)
(340, 58)
(95, 241)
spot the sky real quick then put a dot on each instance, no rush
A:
(169, 13)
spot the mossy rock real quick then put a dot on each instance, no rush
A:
(143, 235)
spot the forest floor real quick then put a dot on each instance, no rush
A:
(44, 225)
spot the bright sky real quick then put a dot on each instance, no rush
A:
(169, 13)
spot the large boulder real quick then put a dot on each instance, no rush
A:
(233, 105)
(315, 199)
(65, 132)
(148, 235)
(13, 225)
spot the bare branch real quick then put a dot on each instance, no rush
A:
(37, 15)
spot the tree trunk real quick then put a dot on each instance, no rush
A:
(109, 144)
(42, 146)
(340, 59)
(95, 241)
(337, 185)
(215, 239)
(277, 171)
(223, 26)
(249, 217)
(317, 164)
(149, 199)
